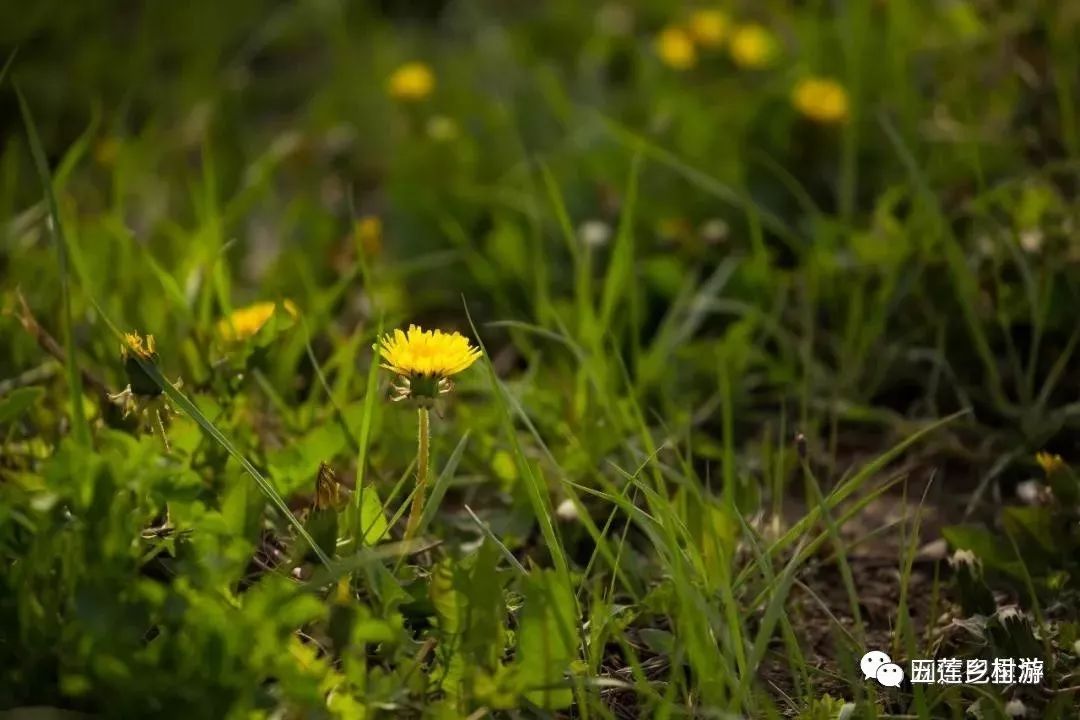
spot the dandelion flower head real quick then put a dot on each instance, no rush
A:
(429, 353)
(822, 100)
(134, 344)
(709, 27)
(369, 232)
(676, 48)
(245, 322)
(412, 82)
(752, 46)
(1049, 463)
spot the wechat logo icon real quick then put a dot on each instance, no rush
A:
(879, 666)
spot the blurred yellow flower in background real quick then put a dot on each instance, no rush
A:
(821, 99)
(676, 48)
(709, 27)
(752, 46)
(1049, 463)
(369, 233)
(244, 322)
(412, 82)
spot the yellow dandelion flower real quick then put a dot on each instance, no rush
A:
(412, 82)
(676, 48)
(424, 360)
(821, 99)
(369, 233)
(752, 46)
(134, 344)
(709, 27)
(245, 322)
(1049, 463)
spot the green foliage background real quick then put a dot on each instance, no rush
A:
(761, 274)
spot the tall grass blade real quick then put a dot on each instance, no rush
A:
(80, 425)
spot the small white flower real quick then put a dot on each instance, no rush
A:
(567, 511)
(1015, 708)
(1031, 492)
(1031, 240)
(594, 233)
(963, 557)
(714, 231)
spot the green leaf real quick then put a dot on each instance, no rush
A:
(449, 601)
(988, 547)
(1036, 523)
(486, 631)
(546, 640)
(18, 402)
(372, 516)
(322, 523)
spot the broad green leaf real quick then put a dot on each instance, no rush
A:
(372, 516)
(994, 552)
(546, 640)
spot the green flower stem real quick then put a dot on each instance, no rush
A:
(423, 461)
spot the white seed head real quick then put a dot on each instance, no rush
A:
(963, 557)
(567, 511)
(1009, 612)
(1031, 240)
(594, 233)
(714, 230)
(1030, 492)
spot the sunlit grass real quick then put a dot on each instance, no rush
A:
(713, 287)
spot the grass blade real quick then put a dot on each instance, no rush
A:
(79, 424)
(537, 493)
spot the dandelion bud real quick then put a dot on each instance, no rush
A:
(975, 597)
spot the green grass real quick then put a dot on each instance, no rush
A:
(740, 367)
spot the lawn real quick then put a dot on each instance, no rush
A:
(549, 359)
